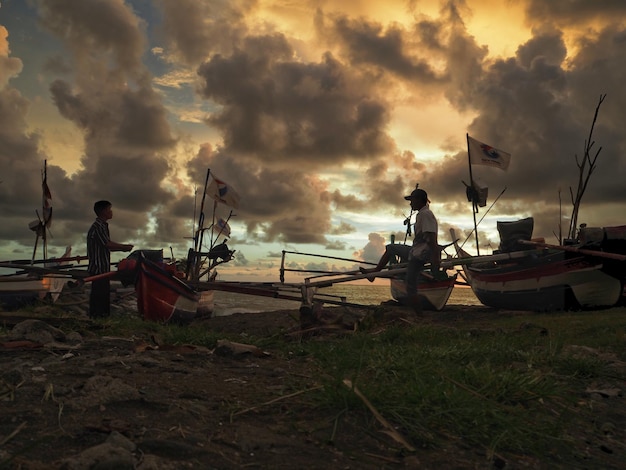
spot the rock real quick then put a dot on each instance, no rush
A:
(74, 338)
(101, 457)
(100, 389)
(608, 429)
(171, 449)
(119, 440)
(37, 331)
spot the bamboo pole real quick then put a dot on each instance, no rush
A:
(474, 209)
(573, 249)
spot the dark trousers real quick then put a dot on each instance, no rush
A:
(100, 298)
(413, 270)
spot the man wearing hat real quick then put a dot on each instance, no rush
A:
(425, 247)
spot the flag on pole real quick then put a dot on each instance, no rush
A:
(222, 192)
(483, 154)
(222, 227)
(46, 203)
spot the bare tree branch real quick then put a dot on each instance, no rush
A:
(584, 173)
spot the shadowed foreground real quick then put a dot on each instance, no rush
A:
(254, 390)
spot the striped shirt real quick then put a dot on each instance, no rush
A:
(97, 252)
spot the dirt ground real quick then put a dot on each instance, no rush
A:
(70, 399)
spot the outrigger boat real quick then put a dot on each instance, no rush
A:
(19, 290)
(36, 279)
(544, 277)
(434, 290)
(528, 274)
(163, 297)
(168, 294)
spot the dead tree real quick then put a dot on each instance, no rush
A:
(585, 169)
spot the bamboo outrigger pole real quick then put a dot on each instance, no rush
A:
(283, 269)
(573, 249)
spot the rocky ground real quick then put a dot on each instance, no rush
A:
(71, 399)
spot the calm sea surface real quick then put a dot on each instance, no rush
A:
(227, 303)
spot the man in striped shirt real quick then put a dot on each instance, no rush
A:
(99, 248)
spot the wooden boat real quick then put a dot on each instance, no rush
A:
(28, 282)
(545, 279)
(611, 241)
(162, 296)
(19, 290)
(434, 293)
(551, 282)
(203, 263)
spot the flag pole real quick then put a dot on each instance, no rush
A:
(474, 203)
(44, 237)
(213, 224)
(193, 221)
(222, 228)
(200, 232)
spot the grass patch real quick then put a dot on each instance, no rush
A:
(510, 387)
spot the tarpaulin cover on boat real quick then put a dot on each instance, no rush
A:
(511, 232)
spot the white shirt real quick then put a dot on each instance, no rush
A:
(425, 222)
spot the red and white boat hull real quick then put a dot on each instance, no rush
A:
(162, 297)
(434, 293)
(560, 284)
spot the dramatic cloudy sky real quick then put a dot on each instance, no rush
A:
(321, 114)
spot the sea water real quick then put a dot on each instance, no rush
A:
(227, 303)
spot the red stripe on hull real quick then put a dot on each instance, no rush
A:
(547, 284)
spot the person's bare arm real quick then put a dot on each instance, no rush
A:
(114, 246)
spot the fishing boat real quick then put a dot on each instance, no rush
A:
(161, 295)
(540, 278)
(168, 294)
(19, 290)
(611, 242)
(433, 292)
(201, 263)
(28, 282)
(33, 280)
(528, 274)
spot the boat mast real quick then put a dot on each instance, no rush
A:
(474, 202)
(43, 221)
(200, 232)
(45, 212)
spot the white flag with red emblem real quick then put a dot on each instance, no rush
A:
(222, 192)
(483, 154)
(221, 227)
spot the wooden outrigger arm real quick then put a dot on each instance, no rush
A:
(573, 249)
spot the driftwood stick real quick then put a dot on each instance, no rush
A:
(389, 429)
(464, 387)
(284, 397)
(13, 434)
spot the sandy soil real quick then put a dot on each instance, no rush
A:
(71, 399)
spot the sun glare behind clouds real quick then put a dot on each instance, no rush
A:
(321, 113)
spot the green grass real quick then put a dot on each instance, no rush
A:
(509, 386)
